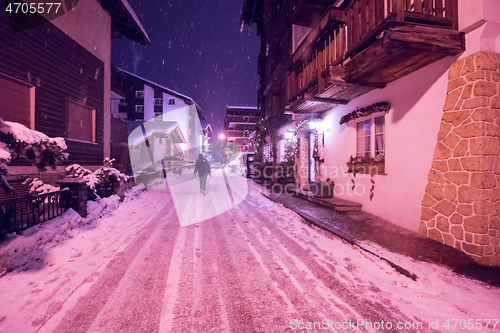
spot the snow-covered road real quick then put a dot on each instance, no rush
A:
(256, 267)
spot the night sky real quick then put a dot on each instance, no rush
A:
(196, 49)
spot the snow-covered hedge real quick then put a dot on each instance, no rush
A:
(103, 174)
(18, 141)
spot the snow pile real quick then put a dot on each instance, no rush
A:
(38, 186)
(23, 251)
(76, 170)
(187, 171)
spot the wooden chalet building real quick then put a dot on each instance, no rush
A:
(397, 102)
(55, 77)
(239, 123)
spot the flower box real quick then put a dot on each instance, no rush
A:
(372, 168)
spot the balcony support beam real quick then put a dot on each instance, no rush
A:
(312, 98)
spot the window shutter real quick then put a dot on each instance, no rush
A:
(81, 122)
(15, 102)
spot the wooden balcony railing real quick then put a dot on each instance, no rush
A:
(340, 35)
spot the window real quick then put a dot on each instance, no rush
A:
(171, 101)
(17, 102)
(139, 94)
(370, 147)
(379, 137)
(158, 101)
(139, 108)
(299, 32)
(81, 122)
(371, 138)
(363, 131)
(370, 135)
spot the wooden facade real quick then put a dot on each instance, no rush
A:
(59, 70)
(349, 50)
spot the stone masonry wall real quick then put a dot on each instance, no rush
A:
(461, 204)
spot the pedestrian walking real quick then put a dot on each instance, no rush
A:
(202, 167)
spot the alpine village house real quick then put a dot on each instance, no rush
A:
(55, 76)
(395, 101)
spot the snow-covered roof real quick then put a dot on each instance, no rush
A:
(125, 20)
(153, 127)
(187, 99)
(243, 107)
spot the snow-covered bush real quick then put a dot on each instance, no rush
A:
(104, 174)
(39, 187)
(18, 141)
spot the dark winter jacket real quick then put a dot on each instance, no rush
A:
(202, 167)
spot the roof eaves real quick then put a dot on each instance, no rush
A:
(125, 20)
(186, 99)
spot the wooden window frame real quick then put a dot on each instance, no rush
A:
(32, 96)
(93, 121)
(373, 135)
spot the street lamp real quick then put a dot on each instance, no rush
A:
(221, 136)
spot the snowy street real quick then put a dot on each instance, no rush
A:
(256, 267)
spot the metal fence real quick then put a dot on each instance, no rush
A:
(20, 214)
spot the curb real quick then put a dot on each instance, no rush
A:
(341, 235)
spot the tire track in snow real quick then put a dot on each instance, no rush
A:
(285, 275)
(136, 303)
(219, 255)
(87, 308)
(185, 293)
(365, 308)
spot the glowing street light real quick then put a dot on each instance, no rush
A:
(222, 136)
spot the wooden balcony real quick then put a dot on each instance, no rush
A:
(373, 42)
(234, 134)
(242, 119)
(306, 12)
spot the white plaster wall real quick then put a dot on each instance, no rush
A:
(412, 125)
(179, 103)
(149, 99)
